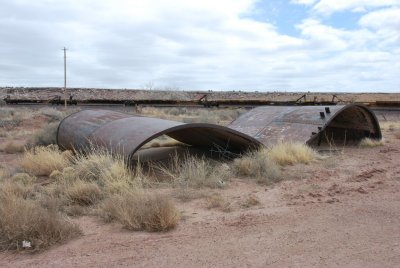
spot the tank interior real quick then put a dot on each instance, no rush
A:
(348, 127)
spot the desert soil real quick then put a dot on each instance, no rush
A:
(341, 211)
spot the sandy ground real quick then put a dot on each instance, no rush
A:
(341, 211)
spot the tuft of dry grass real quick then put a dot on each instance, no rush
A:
(195, 115)
(52, 114)
(289, 153)
(17, 188)
(216, 201)
(25, 220)
(23, 178)
(42, 161)
(107, 170)
(250, 201)
(4, 173)
(192, 171)
(389, 125)
(83, 193)
(258, 165)
(367, 142)
(10, 118)
(45, 136)
(12, 147)
(141, 211)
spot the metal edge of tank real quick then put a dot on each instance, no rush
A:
(343, 109)
(177, 132)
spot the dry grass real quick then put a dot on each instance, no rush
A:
(141, 211)
(14, 188)
(250, 201)
(12, 147)
(216, 201)
(389, 125)
(25, 220)
(24, 178)
(83, 193)
(367, 142)
(4, 173)
(163, 141)
(195, 115)
(192, 171)
(45, 136)
(258, 165)
(42, 161)
(291, 153)
(10, 118)
(52, 114)
(108, 171)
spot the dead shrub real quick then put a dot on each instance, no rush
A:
(45, 136)
(75, 210)
(16, 189)
(389, 125)
(23, 220)
(192, 171)
(83, 193)
(108, 171)
(23, 178)
(141, 211)
(41, 161)
(216, 201)
(250, 201)
(12, 148)
(368, 142)
(4, 173)
(258, 165)
(52, 114)
(289, 153)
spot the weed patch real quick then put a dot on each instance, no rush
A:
(141, 211)
(41, 161)
(292, 153)
(367, 142)
(258, 165)
(25, 220)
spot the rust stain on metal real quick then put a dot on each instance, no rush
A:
(126, 134)
(309, 124)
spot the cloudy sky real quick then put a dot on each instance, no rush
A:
(265, 45)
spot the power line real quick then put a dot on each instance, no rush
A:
(65, 77)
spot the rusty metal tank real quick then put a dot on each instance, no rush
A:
(313, 125)
(125, 134)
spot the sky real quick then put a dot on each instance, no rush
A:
(248, 45)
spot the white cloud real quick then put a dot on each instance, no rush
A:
(191, 45)
(303, 2)
(329, 6)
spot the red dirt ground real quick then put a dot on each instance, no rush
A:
(339, 211)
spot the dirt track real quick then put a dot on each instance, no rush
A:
(340, 211)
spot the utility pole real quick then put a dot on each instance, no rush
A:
(65, 77)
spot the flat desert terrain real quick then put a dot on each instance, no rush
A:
(339, 210)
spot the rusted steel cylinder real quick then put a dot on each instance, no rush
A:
(125, 134)
(305, 124)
